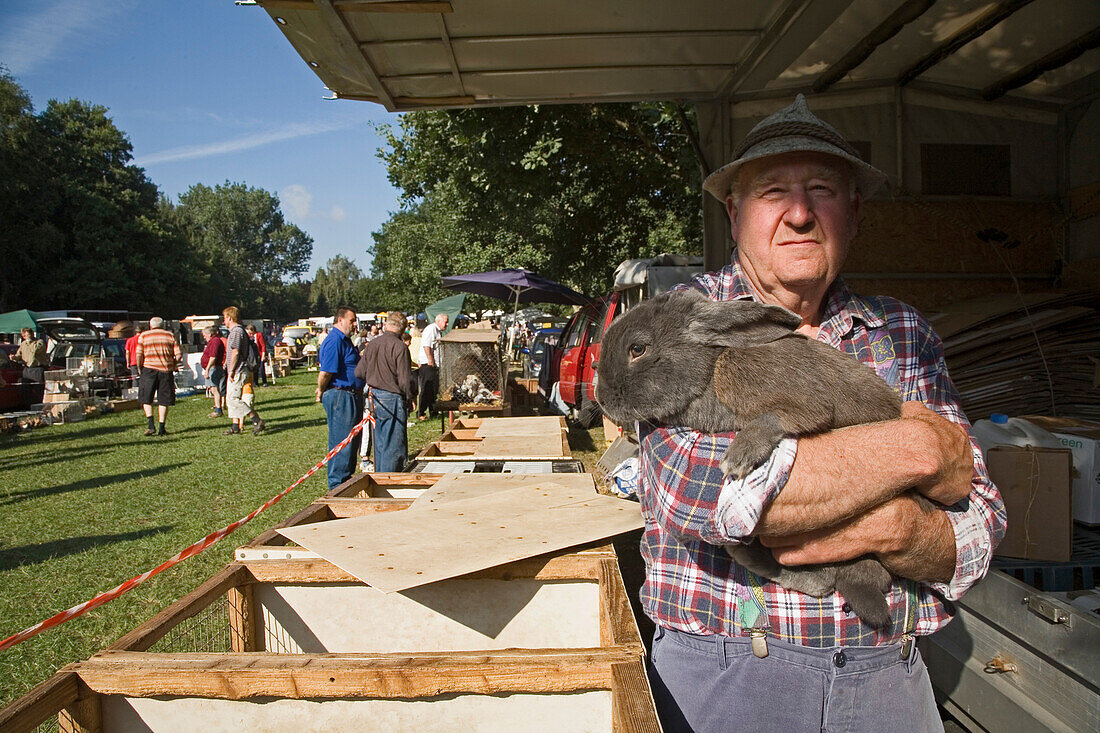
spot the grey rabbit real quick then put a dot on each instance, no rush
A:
(683, 359)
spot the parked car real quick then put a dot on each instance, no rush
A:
(572, 363)
(12, 395)
(69, 338)
(543, 339)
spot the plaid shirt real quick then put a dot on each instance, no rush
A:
(691, 509)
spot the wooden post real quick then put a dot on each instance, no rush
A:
(242, 619)
(83, 716)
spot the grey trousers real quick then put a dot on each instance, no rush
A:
(707, 684)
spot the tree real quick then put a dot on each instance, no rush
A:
(246, 246)
(336, 282)
(76, 209)
(568, 191)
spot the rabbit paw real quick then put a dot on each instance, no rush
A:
(743, 456)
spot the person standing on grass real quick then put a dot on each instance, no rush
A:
(428, 372)
(157, 357)
(386, 367)
(258, 339)
(131, 354)
(241, 361)
(213, 365)
(340, 392)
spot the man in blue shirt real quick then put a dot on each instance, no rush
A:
(341, 393)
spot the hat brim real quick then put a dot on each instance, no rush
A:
(719, 184)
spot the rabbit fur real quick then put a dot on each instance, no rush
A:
(717, 366)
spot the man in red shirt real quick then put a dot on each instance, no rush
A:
(131, 354)
(258, 339)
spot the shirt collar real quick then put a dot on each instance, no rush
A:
(842, 306)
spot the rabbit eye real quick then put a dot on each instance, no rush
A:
(636, 350)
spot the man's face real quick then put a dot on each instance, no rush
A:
(442, 321)
(794, 220)
(347, 322)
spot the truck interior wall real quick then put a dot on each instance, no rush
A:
(1083, 199)
(933, 250)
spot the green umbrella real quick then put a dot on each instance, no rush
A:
(16, 321)
(451, 306)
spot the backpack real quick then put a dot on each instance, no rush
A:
(250, 353)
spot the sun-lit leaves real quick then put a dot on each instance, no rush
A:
(566, 190)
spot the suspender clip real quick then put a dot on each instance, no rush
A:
(759, 639)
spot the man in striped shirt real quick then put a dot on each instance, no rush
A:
(158, 356)
(733, 651)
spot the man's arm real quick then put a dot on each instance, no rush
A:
(323, 381)
(843, 473)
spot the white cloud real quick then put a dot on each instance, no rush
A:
(296, 201)
(338, 214)
(245, 142)
(37, 36)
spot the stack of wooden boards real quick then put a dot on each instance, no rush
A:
(1030, 354)
(493, 602)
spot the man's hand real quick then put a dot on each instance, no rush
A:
(317, 395)
(910, 541)
(950, 482)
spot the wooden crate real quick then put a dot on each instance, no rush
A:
(547, 643)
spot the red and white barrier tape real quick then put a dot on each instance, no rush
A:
(191, 551)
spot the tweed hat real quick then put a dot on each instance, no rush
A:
(792, 129)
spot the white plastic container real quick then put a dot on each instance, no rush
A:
(1001, 429)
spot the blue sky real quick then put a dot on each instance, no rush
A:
(208, 91)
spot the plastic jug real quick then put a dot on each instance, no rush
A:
(1000, 429)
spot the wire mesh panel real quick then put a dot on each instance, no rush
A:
(471, 369)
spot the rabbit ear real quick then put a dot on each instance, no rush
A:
(739, 323)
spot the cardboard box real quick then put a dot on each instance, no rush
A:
(1083, 439)
(1036, 486)
(122, 405)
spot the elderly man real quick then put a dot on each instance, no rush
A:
(386, 367)
(428, 372)
(157, 357)
(340, 392)
(213, 366)
(733, 651)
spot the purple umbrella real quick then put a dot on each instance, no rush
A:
(516, 285)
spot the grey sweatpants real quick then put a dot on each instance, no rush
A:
(708, 684)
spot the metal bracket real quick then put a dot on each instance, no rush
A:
(1047, 610)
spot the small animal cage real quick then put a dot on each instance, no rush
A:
(471, 367)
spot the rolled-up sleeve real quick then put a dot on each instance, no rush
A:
(979, 521)
(692, 498)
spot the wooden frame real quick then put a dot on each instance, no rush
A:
(80, 693)
(77, 693)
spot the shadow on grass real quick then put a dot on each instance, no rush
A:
(91, 483)
(280, 426)
(580, 439)
(36, 436)
(49, 457)
(15, 557)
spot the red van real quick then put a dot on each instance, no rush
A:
(572, 363)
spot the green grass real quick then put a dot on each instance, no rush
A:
(88, 505)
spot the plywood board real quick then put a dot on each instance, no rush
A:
(521, 446)
(584, 710)
(456, 614)
(546, 425)
(456, 486)
(393, 551)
